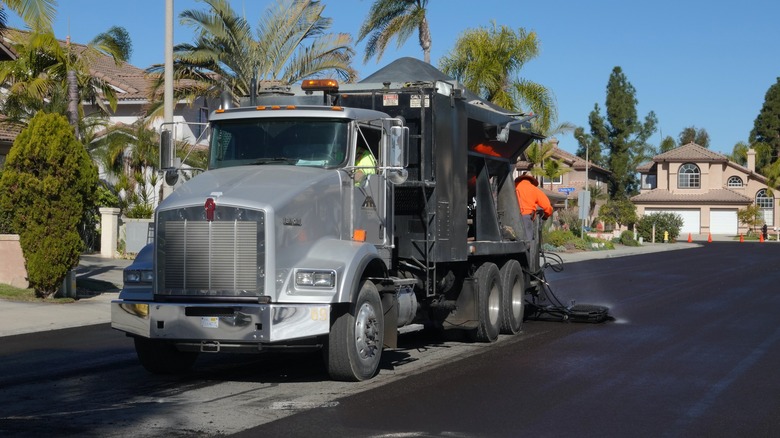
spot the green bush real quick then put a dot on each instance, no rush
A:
(559, 237)
(627, 238)
(48, 183)
(671, 222)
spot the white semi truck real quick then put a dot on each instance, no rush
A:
(286, 242)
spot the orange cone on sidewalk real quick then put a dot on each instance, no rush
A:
(741, 238)
(709, 238)
(689, 238)
(760, 237)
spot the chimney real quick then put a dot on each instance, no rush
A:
(751, 160)
(554, 142)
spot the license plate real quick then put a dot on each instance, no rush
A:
(209, 322)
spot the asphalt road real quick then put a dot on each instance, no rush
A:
(692, 352)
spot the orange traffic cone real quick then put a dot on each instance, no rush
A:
(709, 238)
(689, 238)
(761, 237)
(741, 238)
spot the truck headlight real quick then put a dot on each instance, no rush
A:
(138, 276)
(312, 278)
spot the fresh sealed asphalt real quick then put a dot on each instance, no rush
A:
(94, 307)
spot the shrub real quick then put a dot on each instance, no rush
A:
(618, 211)
(671, 222)
(627, 238)
(48, 182)
(558, 238)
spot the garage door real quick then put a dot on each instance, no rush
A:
(691, 219)
(723, 222)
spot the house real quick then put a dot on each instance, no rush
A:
(566, 188)
(132, 87)
(705, 188)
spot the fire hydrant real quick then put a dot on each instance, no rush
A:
(666, 236)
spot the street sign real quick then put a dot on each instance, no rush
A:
(566, 190)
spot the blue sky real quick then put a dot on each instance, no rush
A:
(702, 63)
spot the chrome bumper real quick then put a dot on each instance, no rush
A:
(254, 323)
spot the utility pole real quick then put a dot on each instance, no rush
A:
(167, 154)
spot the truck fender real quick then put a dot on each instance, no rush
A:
(353, 260)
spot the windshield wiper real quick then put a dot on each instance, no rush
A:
(275, 160)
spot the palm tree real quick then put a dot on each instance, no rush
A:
(38, 78)
(487, 62)
(398, 19)
(38, 14)
(292, 44)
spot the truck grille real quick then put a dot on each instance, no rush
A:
(223, 257)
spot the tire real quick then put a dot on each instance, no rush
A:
(488, 283)
(513, 294)
(354, 346)
(161, 357)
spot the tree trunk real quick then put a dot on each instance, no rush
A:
(73, 101)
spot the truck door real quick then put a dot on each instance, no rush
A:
(369, 194)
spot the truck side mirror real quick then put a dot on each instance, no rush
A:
(398, 157)
(399, 145)
(166, 149)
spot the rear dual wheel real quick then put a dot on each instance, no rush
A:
(488, 284)
(513, 299)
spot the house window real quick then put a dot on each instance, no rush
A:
(767, 205)
(648, 181)
(734, 181)
(557, 180)
(203, 117)
(689, 176)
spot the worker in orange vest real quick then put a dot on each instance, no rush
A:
(530, 197)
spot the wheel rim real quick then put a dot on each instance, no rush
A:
(517, 300)
(366, 332)
(494, 305)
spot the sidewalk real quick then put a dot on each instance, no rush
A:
(21, 317)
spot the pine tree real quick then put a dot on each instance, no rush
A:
(766, 128)
(621, 134)
(48, 182)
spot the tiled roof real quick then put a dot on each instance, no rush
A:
(569, 159)
(129, 82)
(690, 152)
(645, 167)
(8, 132)
(720, 196)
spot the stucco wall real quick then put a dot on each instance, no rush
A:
(12, 269)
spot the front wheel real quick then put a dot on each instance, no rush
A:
(356, 338)
(162, 357)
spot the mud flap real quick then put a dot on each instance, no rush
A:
(464, 315)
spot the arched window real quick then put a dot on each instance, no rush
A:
(734, 181)
(689, 176)
(767, 205)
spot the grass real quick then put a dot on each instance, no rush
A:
(84, 287)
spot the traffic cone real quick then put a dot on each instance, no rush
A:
(761, 237)
(741, 238)
(709, 238)
(689, 238)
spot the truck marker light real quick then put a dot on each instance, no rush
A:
(359, 235)
(275, 107)
(261, 108)
(320, 85)
(290, 107)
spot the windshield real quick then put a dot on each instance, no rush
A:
(299, 141)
